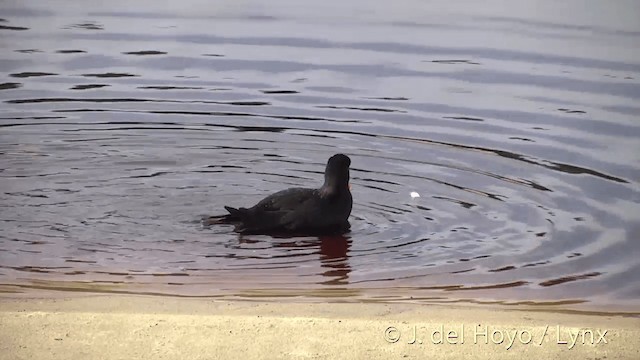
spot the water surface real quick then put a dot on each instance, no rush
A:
(519, 129)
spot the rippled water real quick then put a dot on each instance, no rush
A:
(519, 128)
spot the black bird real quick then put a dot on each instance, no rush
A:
(299, 211)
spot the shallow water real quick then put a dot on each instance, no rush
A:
(518, 127)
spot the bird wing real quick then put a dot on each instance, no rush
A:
(275, 211)
(286, 200)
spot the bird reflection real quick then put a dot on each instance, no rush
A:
(334, 259)
(333, 251)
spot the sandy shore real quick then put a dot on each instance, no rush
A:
(121, 327)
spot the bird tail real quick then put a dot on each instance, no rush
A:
(232, 217)
(234, 213)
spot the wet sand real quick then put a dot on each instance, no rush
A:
(127, 327)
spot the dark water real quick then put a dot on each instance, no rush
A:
(121, 125)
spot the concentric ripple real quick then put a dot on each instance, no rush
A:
(120, 131)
